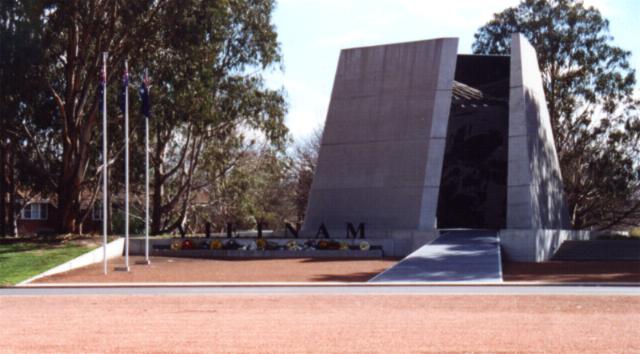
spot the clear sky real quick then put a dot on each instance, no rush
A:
(312, 32)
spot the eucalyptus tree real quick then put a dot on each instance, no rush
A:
(205, 58)
(589, 86)
(208, 93)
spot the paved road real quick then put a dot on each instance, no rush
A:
(335, 290)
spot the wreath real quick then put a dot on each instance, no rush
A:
(231, 245)
(364, 246)
(187, 244)
(293, 246)
(216, 244)
(261, 244)
(176, 245)
(323, 245)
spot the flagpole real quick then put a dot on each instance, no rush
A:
(146, 180)
(126, 168)
(104, 161)
(144, 95)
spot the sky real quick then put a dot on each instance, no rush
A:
(312, 33)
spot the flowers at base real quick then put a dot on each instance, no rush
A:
(261, 244)
(187, 244)
(309, 245)
(176, 245)
(216, 244)
(232, 245)
(364, 246)
(293, 246)
(344, 246)
(328, 245)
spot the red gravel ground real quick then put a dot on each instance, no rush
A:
(623, 271)
(164, 269)
(314, 323)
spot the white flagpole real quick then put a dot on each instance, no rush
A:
(126, 170)
(146, 178)
(104, 161)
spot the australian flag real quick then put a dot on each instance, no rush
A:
(145, 105)
(125, 84)
(101, 88)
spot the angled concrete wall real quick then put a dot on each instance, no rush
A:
(381, 155)
(534, 182)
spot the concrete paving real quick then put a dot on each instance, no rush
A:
(309, 289)
(455, 256)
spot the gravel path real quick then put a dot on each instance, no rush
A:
(164, 269)
(320, 323)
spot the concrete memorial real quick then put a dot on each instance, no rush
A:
(419, 138)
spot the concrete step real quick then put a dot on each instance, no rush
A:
(460, 256)
(598, 250)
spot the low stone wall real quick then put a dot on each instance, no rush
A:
(537, 245)
(271, 254)
(393, 244)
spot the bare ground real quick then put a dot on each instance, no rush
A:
(314, 323)
(164, 269)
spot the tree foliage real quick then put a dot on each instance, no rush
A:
(205, 59)
(589, 85)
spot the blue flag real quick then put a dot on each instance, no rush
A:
(145, 105)
(125, 84)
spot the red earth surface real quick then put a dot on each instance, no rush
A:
(164, 269)
(320, 323)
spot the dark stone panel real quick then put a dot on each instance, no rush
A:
(473, 187)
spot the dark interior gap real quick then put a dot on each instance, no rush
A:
(473, 186)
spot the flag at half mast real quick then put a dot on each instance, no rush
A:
(145, 104)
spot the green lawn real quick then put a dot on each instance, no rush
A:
(20, 261)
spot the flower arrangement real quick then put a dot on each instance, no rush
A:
(176, 245)
(261, 244)
(293, 246)
(187, 244)
(231, 245)
(216, 244)
(268, 245)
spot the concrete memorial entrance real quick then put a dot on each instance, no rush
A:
(419, 138)
(473, 186)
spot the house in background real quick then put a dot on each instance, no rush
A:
(40, 216)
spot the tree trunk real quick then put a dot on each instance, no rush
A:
(68, 206)
(3, 183)
(12, 213)
(156, 198)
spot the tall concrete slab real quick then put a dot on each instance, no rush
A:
(381, 154)
(534, 182)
